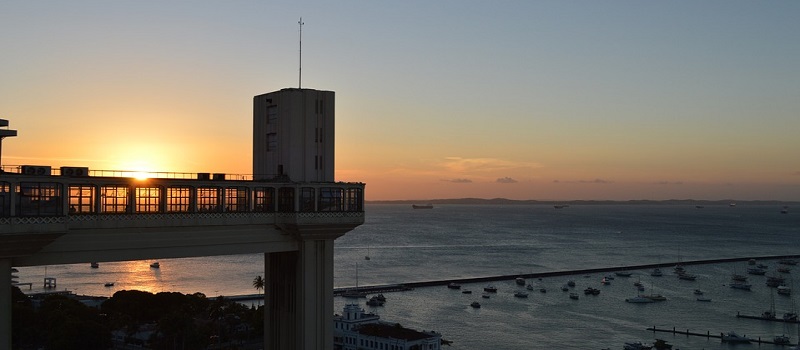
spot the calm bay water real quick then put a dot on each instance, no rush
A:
(456, 241)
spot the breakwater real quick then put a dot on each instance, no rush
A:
(411, 285)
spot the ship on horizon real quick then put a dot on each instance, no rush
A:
(422, 206)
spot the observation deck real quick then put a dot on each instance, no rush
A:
(50, 216)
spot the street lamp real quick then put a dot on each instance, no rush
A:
(4, 132)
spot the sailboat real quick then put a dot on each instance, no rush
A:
(355, 293)
(792, 314)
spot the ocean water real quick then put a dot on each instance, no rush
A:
(461, 241)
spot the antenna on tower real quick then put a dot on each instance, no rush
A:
(300, 66)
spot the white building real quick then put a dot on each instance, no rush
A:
(356, 329)
(293, 135)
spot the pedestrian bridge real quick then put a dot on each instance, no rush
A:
(72, 215)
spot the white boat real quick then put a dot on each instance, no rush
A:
(784, 290)
(520, 281)
(732, 337)
(637, 346)
(654, 297)
(453, 285)
(639, 300)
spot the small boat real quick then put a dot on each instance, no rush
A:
(623, 273)
(784, 211)
(565, 288)
(636, 346)
(374, 301)
(109, 284)
(453, 285)
(699, 206)
(529, 287)
(639, 300)
(656, 272)
(485, 296)
(380, 297)
(756, 271)
(703, 299)
(521, 295)
(687, 277)
(520, 281)
(781, 340)
(466, 291)
(654, 297)
(784, 269)
(592, 291)
(751, 262)
(605, 281)
(661, 344)
(155, 265)
(743, 286)
(94, 265)
(678, 269)
(698, 292)
(542, 290)
(422, 206)
(784, 290)
(573, 296)
(490, 289)
(560, 206)
(787, 262)
(571, 283)
(732, 337)
(790, 316)
(738, 277)
(475, 304)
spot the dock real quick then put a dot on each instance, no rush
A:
(708, 334)
(771, 319)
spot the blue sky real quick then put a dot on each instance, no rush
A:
(567, 99)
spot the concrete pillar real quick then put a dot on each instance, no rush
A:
(299, 297)
(5, 304)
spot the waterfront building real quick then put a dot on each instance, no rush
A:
(356, 329)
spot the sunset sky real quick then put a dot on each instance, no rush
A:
(550, 100)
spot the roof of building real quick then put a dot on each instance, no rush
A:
(395, 331)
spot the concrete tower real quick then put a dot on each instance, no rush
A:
(293, 135)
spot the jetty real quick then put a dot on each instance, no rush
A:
(708, 334)
(485, 279)
(772, 319)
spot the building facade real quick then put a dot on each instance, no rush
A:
(355, 329)
(293, 135)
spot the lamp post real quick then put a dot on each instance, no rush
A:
(4, 132)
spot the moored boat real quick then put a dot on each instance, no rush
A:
(475, 304)
(453, 285)
(732, 337)
(738, 285)
(490, 289)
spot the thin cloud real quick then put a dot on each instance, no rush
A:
(458, 181)
(506, 180)
(595, 181)
(669, 183)
(464, 165)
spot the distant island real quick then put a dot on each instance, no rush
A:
(504, 201)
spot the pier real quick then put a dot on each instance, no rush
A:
(708, 334)
(484, 279)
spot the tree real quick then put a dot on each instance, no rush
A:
(258, 283)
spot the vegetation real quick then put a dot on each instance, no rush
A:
(157, 321)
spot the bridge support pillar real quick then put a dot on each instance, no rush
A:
(5, 303)
(299, 297)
